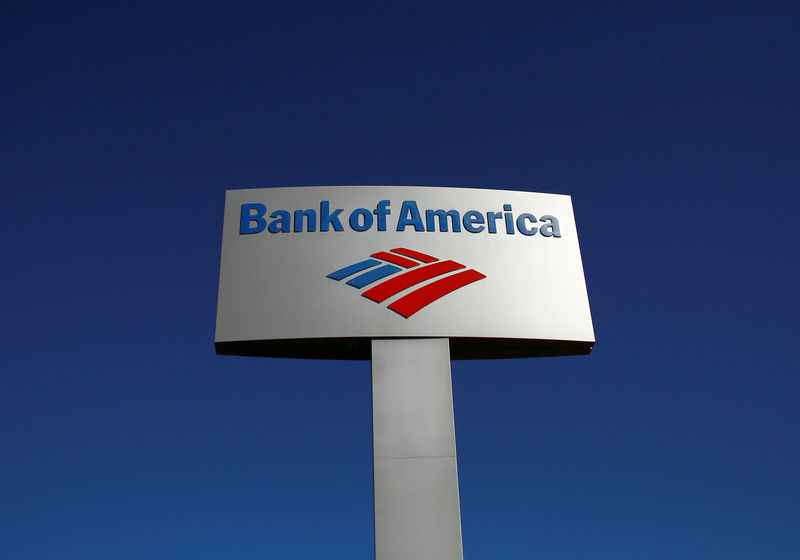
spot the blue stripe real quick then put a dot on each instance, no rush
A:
(352, 269)
(373, 275)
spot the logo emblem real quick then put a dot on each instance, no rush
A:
(414, 268)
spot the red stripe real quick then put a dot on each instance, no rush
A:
(394, 259)
(415, 255)
(397, 284)
(416, 300)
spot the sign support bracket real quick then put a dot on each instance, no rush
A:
(417, 512)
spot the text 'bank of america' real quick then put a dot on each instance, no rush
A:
(257, 217)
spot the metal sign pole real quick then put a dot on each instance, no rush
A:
(417, 512)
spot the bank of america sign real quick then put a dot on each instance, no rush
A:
(314, 265)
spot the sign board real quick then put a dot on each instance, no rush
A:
(320, 271)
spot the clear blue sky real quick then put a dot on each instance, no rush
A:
(122, 434)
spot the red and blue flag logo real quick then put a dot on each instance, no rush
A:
(403, 269)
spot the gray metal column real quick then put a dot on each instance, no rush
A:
(417, 515)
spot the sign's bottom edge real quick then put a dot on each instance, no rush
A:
(358, 348)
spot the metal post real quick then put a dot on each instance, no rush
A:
(417, 513)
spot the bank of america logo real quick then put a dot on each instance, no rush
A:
(415, 270)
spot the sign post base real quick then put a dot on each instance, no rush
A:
(417, 512)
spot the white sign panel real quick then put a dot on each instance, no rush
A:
(319, 271)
